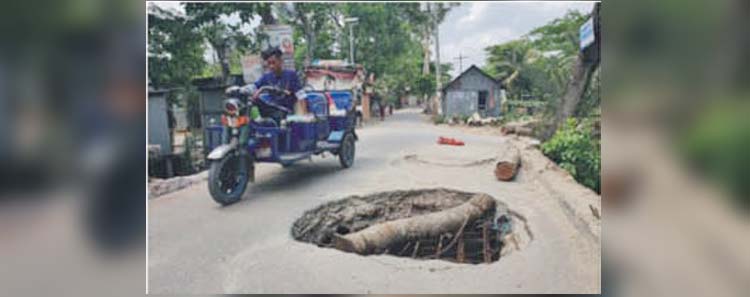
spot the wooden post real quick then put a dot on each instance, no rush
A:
(439, 246)
(460, 256)
(485, 242)
(508, 161)
(454, 240)
(366, 107)
(406, 247)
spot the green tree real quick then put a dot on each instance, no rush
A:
(507, 61)
(539, 64)
(548, 64)
(424, 18)
(312, 23)
(559, 35)
(224, 38)
(175, 51)
(581, 74)
(425, 84)
(389, 40)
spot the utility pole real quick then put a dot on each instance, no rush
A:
(587, 61)
(351, 22)
(460, 59)
(351, 45)
(439, 86)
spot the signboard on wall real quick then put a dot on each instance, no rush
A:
(332, 78)
(252, 68)
(586, 34)
(281, 36)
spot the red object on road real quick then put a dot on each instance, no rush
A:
(449, 141)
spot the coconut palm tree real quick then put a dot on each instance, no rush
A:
(507, 61)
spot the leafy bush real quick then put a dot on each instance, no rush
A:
(574, 149)
(716, 145)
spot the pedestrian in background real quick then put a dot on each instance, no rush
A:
(382, 108)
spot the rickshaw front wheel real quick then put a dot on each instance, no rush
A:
(227, 178)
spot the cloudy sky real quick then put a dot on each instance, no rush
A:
(471, 27)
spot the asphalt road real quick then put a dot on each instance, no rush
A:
(197, 246)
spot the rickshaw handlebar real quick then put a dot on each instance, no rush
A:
(272, 89)
(264, 89)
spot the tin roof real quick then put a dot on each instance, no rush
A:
(474, 67)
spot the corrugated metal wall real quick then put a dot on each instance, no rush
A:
(461, 103)
(158, 125)
(462, 98)
(211, 106)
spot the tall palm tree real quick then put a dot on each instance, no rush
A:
(558, 70)
(506, 61)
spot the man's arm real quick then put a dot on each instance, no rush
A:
(260, 82)
(251, 88)
(295, 87)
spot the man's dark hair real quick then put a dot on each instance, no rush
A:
(272, 51)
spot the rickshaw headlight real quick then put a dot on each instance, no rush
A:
(232, 106)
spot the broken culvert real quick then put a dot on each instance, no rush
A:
(441, 224)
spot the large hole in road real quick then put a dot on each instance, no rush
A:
(420, 224)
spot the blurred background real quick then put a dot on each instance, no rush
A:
(72, 154)
(675, 134)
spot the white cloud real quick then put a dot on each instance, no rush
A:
(471, 27)
(169, 5)
(476, 12)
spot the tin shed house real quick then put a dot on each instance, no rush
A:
(158, 120)
(211, 97)
(472, 91)
(211, 91)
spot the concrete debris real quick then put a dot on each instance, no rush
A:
(159, 187)
(533, 144)
(525, 128)
(476, 120)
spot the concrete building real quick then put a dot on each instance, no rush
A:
(472, 91)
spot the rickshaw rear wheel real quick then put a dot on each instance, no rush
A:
(346, 151)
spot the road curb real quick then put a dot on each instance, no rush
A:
(161, 187)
